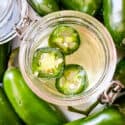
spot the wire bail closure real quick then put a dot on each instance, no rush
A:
(109, 96)
(21, 29)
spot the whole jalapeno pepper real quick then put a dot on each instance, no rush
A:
(114, 20)
(108, 116)
(43, 7)
(28, 106)
(7, 114)
(87, 6)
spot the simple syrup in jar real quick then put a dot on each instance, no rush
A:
(96, 54)
(90, 54)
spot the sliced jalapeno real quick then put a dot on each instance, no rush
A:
(73, 81)
(48, 63)
(66, 38)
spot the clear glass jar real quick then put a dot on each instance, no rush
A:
(12, 13)
(97, 54)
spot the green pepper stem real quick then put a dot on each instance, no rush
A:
(87, 111)
(12, 57)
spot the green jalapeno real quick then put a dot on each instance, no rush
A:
(43, 7)
(87, 6)
(114, 20)
(7, 113)
(48, 63)
(66, 38)
(73, 81)
(108, 116)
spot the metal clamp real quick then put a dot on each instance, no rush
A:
(25, 23)
(109, 96)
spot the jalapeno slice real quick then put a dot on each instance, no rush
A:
(73, 81)
(66, 38)
(48, 63)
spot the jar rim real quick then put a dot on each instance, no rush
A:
(96, 89)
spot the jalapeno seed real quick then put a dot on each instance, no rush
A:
(66, 38)
(48, 63)
(73, 81)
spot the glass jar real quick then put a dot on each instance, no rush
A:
(97, 54)
(12, 13)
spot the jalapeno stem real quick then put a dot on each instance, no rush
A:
(87, 111)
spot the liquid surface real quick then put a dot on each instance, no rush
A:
(90, 55)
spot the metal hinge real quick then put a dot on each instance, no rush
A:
(21, 29)
(109, 96)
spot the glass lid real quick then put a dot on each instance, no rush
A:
(4, 8)
(12, 13)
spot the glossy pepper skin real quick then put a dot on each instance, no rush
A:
(114, 20)
(31, 109)
(43, 7)
(87, 6)
(120, 71)
(4, 55)
(109, 116)
(7, 114)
